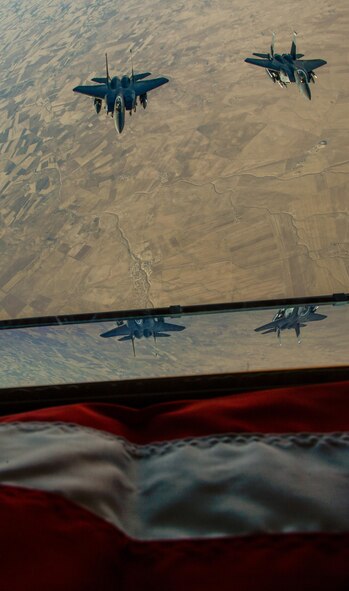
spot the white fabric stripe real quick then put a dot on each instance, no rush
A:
(211, 486)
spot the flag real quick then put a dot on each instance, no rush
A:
(246, 492)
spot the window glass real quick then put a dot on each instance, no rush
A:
(174, 345)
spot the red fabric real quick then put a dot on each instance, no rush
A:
(48, 543)
(319, 408)
(254, 563)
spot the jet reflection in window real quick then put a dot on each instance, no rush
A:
(129, 330)
(288, 318)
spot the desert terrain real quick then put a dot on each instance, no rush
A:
(227, 188)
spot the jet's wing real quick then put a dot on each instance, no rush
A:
(269, 331)
(311, 65)
(168, 327)
(118, 331)
(147, 85)
(271, 326)
(136, 77)
(93, 91)
(263, 63)
(316, 316)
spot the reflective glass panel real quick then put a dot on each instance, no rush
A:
(175, 345)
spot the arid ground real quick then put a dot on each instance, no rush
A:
(226, 188)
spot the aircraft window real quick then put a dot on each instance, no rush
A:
(216, 339)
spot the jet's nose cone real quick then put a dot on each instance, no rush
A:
(108, 334)
(305, 90)
(119, 121)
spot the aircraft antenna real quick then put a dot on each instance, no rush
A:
(107, 69)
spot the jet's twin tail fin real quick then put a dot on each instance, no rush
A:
(272, 46)
(293, 50)
(107, 69)
(270, 55)
(132, 70)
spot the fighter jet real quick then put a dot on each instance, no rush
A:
(129, 330)
(288, 67)
(288, 318)
(120, 94)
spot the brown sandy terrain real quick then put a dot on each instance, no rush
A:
(226, 188)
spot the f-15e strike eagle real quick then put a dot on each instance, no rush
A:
(132, 329)
(288, 67)
(120, 94)
(291, 318)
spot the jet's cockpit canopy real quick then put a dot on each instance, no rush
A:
(280, 314)
(119, 104)
(288, 312)
(302, 75)
(304, 310)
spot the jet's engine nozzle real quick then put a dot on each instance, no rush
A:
(301, 79)
(144, 100)
(137, 334)
(114, 82)
(147, 333)
(125, 81)
(119, 113)
(98, 105)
